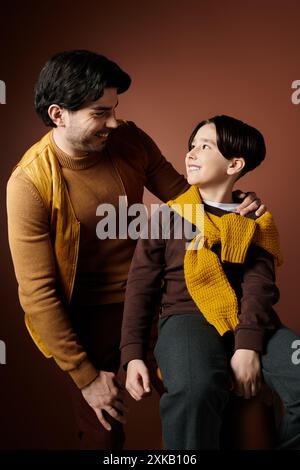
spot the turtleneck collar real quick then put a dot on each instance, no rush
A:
(74, 163)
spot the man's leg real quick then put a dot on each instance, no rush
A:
(283, 376)
(99, 329)
(193, 361)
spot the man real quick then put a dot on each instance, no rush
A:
(71, 284)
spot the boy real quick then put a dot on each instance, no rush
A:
(217, 327)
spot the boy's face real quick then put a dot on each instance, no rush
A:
(205, 165)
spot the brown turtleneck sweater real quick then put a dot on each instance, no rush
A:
(129, 162)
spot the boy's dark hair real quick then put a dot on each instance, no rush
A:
(73, 78)
(236, 139)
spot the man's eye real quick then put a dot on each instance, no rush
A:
(99, 114)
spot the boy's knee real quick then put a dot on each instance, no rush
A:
(200, 388)
(208, 387)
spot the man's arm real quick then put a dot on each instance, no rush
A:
(34, 264)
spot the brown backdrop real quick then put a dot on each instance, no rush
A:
(188, 60)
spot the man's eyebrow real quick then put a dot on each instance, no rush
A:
(104, 108)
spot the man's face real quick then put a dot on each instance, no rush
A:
(86, 130)
(205, 165)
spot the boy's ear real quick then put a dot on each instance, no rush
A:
(236, 165)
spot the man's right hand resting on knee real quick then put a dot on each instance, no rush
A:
(105, 393)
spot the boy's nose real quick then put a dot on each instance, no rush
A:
(190, 155)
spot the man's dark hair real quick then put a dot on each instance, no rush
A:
(235, 138)
(72, 78)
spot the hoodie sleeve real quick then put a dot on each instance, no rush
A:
(259, 294)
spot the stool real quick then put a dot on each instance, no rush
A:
(249, 424)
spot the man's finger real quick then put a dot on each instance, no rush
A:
(261, 210)
(121, 406)
(239, 194)
(114, 414)
(119, 384)
(102, 420)
(248, 199)
(249, 207)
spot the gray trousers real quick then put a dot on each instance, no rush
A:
(194, 362)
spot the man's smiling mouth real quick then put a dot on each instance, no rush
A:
(102, 135)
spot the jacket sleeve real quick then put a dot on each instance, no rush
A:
(161, 177)
(34, 264)
(143, 293)
(259, 294)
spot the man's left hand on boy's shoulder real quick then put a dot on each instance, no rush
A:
(250, 203)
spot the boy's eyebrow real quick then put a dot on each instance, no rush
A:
(205, 140)
(209, 140)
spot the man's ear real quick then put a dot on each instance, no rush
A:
(235, 165)
(57, 115)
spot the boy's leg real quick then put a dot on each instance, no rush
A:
(193, 361)
(282, 374)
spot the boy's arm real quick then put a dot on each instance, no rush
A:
(259, 294)
(143, 292)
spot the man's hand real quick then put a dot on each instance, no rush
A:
(138, 379)
(245, 365)
(106, 393)
(250, 203)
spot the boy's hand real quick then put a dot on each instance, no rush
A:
(138, 379)
(246, 369)
(250, 203)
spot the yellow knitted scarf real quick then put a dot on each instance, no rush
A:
(204, 275)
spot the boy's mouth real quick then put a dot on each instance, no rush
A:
(194, 168)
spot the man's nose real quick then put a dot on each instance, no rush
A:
(111, 122)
